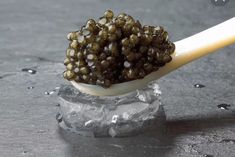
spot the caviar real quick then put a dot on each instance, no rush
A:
(115, 50)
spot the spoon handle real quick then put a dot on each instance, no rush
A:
(201, 44)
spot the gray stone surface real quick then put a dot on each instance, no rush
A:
(32, 35)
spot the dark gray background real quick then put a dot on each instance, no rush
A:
(33, 35)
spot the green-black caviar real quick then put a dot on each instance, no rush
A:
(115, 50)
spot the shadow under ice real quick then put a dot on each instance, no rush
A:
(155, 143)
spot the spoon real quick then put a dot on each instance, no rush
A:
(186, 50)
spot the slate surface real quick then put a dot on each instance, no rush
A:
(32, 35)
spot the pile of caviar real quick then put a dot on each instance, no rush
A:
(115, 50)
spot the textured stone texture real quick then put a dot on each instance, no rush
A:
(32, 35)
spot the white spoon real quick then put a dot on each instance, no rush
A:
(187, 50)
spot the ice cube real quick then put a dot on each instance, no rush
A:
(114, 116)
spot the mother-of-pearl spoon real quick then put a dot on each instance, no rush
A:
(186, 50)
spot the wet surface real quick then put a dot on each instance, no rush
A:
(161, 141)
(34, 35)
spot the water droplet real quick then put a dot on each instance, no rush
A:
(41, 131)
(49, 93)
(199, 85)
(31, 71)
(115, 118)
(223, 106)
(31, 87)
(117, 146)
(207, 155)
(88, 123)
(219, 2)
(59, 118)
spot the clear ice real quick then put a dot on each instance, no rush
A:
(115, 116)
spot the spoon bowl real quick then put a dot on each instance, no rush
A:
(187, 50)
